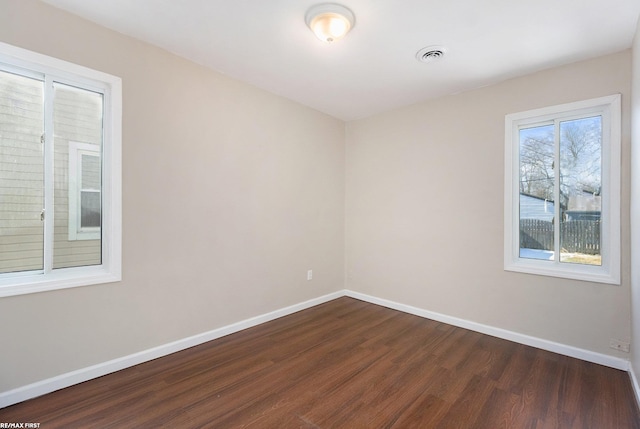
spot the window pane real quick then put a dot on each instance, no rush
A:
(580, 190)
(21, 173)
(90, 166)
(77, 122)
(89, 209)
(536, 192)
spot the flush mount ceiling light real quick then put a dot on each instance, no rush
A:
(329, 21)
(430, 53)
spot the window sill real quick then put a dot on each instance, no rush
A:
(21, 284)
(596, 274)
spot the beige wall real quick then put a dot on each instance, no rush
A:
(229, 195)
(635, 207)
(425, 211)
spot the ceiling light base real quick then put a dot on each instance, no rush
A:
(330, 21)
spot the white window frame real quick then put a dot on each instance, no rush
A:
(110, 270)
(609, 108)
(75, 230)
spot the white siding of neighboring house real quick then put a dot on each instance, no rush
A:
(21, 174)
(586, 202)
(535, 208)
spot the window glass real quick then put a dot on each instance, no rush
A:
(89, 209)
(578, 195)
(580, 190)
(77, 117)
(536, 183)
(21, 173)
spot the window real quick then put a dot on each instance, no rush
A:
(84, 191)
(60, 179)
(562, 191)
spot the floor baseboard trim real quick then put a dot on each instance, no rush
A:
(563, 349)
(634, 384)
(49, 385)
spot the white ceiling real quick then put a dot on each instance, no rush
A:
(373, 69)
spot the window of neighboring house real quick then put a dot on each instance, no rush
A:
(60, 180)
(84, 191)
(562, 191)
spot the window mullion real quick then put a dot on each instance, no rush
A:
(556, 191)
(48, 175)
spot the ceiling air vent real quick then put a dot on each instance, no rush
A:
(430, 53)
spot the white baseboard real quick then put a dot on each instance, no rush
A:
(49, 385)
(39, 388)
(562, 349)
(634, 384)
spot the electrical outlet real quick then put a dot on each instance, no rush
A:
(309, 274)
(616, 344)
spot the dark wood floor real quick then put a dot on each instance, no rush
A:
(347, 364)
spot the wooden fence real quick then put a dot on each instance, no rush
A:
(576, 236)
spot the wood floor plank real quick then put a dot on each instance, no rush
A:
(347, 364)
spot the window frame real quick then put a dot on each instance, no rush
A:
(609, 107)
(28, 63)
